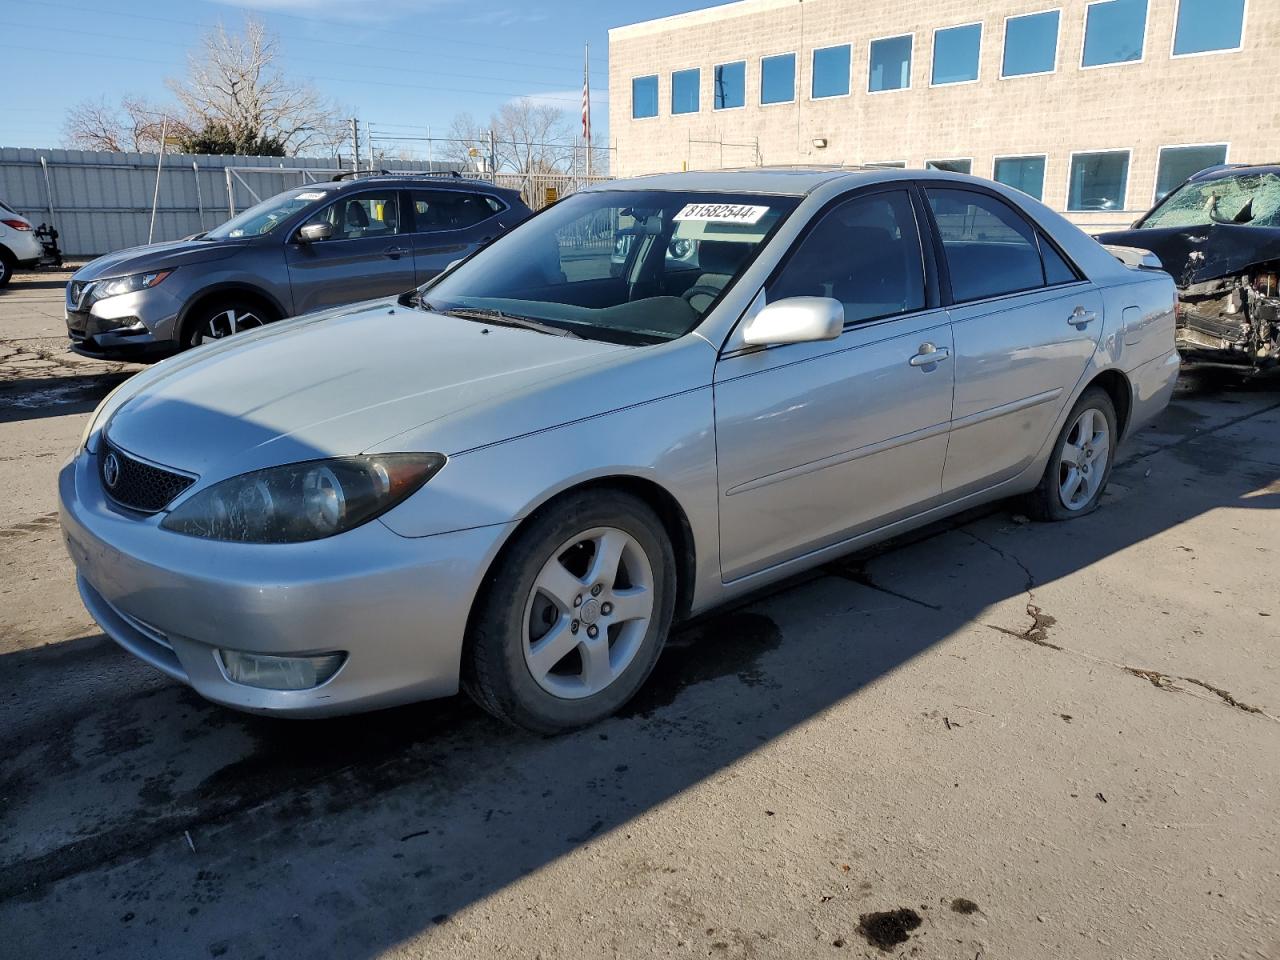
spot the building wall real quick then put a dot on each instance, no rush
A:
(1228, 97)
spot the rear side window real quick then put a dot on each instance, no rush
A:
(864, 253)
(990, 249)
(450, 209)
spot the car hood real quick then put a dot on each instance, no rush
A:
(1207, 252)
(157, 256)
(339, 383)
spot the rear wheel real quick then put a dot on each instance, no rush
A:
(1078, 470)
(573, 615)
(7, 266)
(221, 319)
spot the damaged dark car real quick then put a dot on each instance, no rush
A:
(1218, 234)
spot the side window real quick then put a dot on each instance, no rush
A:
(1056, 269)
(990, 249)
(363, 215)
(450, 209)
(864, 253)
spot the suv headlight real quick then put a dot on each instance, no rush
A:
(303, 501)
(121, 285)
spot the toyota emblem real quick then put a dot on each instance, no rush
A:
(111, 471)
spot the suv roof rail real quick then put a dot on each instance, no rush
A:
(360, 173)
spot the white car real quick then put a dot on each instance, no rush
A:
(19, 246)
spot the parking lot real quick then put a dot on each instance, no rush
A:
(997, 739)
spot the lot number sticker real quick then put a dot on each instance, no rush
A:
(722, 213)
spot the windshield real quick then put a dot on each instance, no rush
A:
(629, 266)
(267, 215)
(1251, 199)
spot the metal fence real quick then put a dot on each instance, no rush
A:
(101, 202)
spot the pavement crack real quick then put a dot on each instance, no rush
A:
(855, 571)
(1031, 579)
(1164, 681)
(1037, 633)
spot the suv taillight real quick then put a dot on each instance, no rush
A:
(17, 224)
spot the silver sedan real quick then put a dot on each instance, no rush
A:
(652, 398)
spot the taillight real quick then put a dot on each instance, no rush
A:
(17, 224)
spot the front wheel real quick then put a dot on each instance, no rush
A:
(574, 614)
(7, 266)
(1078, 470)
(221, 320)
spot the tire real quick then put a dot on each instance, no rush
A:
(7, 267)
(222, 318)
(529, 659)
(1071, 489)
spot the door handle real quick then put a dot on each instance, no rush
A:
(395, 253)
(1080, 317)
(929, 354)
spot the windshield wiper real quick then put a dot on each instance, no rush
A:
(498, 318)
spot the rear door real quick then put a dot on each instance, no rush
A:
(818, 442)
(449, 225)
(367, 256)
(1025, 323)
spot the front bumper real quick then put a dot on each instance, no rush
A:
(397, 606)
(138, 324)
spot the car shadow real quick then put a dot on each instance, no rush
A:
(34, 398)
(253, 836)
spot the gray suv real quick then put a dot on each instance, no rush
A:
(313, 247)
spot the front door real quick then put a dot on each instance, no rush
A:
(367, 255)
(818, 442)
(1025, 324)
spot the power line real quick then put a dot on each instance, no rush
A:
(310, 20)
(93, 54)
(408, 70)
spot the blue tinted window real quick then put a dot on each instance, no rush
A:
(778, 78)
(1098, 181)
(684, 90)
(955, 53)
(831, 72)
(731, 85)
(644, 97)
(1022, 173)
(1030, 44)
(1178, 163)
(1114, 32)
(951, 166)
(890, 64)
(1205, 25)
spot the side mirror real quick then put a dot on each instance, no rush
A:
(795, 320)
(312, 232)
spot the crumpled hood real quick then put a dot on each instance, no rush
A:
(1207, 252)
(338, 383)
(157, 256)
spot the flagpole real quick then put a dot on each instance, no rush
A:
(586, 102)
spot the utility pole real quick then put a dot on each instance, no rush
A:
(355, 144)
(493, 156)
(368, 135)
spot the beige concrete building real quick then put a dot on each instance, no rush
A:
(1096, 107)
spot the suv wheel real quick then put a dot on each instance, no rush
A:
(220, 320)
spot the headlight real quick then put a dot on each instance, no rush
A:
(121, 285)
(303, 501)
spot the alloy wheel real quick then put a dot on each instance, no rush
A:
(224, 324)
(588, 612)
(1083, 464)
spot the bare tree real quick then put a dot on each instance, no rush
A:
(233, 83)
(134, 125)
(529, 138)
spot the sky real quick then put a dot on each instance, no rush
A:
(400, 65)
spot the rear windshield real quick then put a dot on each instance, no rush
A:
(1250, 199)
(630, 266)
(267, 215)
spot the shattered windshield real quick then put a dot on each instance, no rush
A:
(1251, 199)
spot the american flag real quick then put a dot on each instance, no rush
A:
(586, 95)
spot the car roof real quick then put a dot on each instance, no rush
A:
(795, 181)
(1224, 170)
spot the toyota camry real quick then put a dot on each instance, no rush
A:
(653, 397)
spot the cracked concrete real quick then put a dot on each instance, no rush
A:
(869, 741)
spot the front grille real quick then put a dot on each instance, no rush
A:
(137, 485)
(75, 290)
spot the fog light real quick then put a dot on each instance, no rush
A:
(279, 673)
